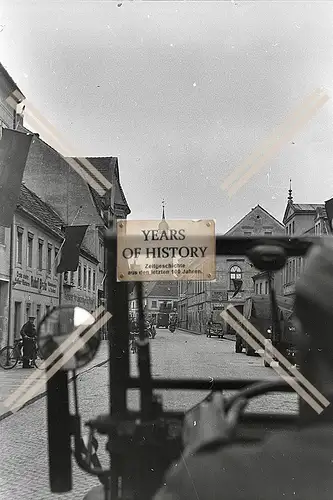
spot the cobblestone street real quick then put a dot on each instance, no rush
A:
(24, 463)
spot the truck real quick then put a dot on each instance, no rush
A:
(257, 310)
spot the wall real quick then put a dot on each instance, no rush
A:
(56, 183)
(31, 285)
(79, 291)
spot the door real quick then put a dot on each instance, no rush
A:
(18, 323)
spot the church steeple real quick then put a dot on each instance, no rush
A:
(290, 197)
(163, 213)
(163, 225)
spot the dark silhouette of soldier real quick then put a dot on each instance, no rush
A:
(28, 334)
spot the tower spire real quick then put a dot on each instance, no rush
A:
(290, 197)
(163, 211)
(163, 225)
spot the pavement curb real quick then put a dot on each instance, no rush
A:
(43, 394)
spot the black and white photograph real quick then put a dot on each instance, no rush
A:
(166, 250)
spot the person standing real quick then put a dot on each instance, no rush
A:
(28, 334)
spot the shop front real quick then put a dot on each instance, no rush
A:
(32, 295)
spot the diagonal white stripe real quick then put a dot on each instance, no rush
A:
(38, 374)
(290, 380)
(275, 147)
(68, 354)
(279, 356)
(265, 144)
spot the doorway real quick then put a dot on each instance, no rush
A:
(17, 319)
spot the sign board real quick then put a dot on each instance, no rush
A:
(166, 251)
(239, 297)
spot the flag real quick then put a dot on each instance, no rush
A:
(329, 211)
(14, 150)
(70, 252)
(238, 286)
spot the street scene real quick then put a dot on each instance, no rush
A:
(169, 164)
(24, 464)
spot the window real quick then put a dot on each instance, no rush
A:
(47, 309)
(30, 249)
(256, 288)
(2, 235)
(154, 304)
(235, 274)
(268, 232)
(293, 227)
(247, 233)
(40, 254)
(84, 277)
(260, 288)
(89, 279)
(94, 281)
(73, 278)
(266, 287)
(49, 258)
(79, 276)
(19, 245)
(28, 310)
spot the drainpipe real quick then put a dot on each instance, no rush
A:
(11, 270)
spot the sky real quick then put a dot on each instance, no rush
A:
(181, 93)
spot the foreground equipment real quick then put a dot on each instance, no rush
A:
(141, 445)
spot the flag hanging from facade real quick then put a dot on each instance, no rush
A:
(329, 212)
(238, 285)
(70, 252)
(14, 150)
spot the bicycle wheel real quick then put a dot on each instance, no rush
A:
(8, 357)
(38, 360)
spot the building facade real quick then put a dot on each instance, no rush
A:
(11, 98)
(303, 219)
(198, 299)
(155, 295)
(49, 178)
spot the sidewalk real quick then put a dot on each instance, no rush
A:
(10, 380)
(192, 332)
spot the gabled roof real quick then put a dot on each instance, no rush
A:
(245, 216)
(38, 209)
(292, 208)
(108, 166)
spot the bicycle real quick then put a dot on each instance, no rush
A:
(11, 355)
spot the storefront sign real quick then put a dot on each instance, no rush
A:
(167, 250)
(35, 283)
(86, 302)
(239, 297)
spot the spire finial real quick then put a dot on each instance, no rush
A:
(163, 207)
(290, 197)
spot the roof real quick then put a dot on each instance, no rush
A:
(164, 289)
(108, 167)
(248, 213)
(307, 207)
(302, 207)
(38, 209)
(9, 79)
